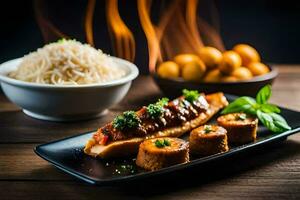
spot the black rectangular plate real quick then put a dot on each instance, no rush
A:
(67, 155)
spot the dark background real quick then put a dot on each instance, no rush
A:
(272, 26)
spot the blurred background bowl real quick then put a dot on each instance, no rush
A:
(66, 102)
(174, 87)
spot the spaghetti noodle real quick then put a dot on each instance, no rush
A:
(67, 62)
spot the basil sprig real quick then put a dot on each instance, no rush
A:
(267, 113)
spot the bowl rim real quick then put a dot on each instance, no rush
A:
(8, 65)
(271, 75)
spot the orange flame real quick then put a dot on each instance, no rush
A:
(89, 21)
(122, 37)
(177, 31)
(150, 32)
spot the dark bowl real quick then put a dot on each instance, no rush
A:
(174, 87)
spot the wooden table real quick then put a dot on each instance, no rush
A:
(270, 174)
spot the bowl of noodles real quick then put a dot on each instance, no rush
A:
(66, 80)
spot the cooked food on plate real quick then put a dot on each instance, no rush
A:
(241, 128)
(157, 153)
(211, 65)
(208, 140)
(67, 62)
(122, 136)
(152, 132)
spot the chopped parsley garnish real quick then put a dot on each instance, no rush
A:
(207, 128)
(167, 142)
(128, 119)
(156, 110)
(163, 101)
(162, 143)
(190, 95)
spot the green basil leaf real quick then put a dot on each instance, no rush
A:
(277, 117)
(239, 105)
(265, 119)
(268, 108)
(264, 94)
(273, 121)
(249, 109)
(280, 122)
(282, 126)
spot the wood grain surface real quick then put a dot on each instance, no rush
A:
(270, 173)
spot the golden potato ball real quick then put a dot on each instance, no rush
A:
(242, 73)
(210, 56)
(230, 62)
(247, 53)
(183, 59)
(258, 68)
(213, 76)
(229, 79)
(168, 69)
(193, 71)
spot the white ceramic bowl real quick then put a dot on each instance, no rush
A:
(66, 102)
